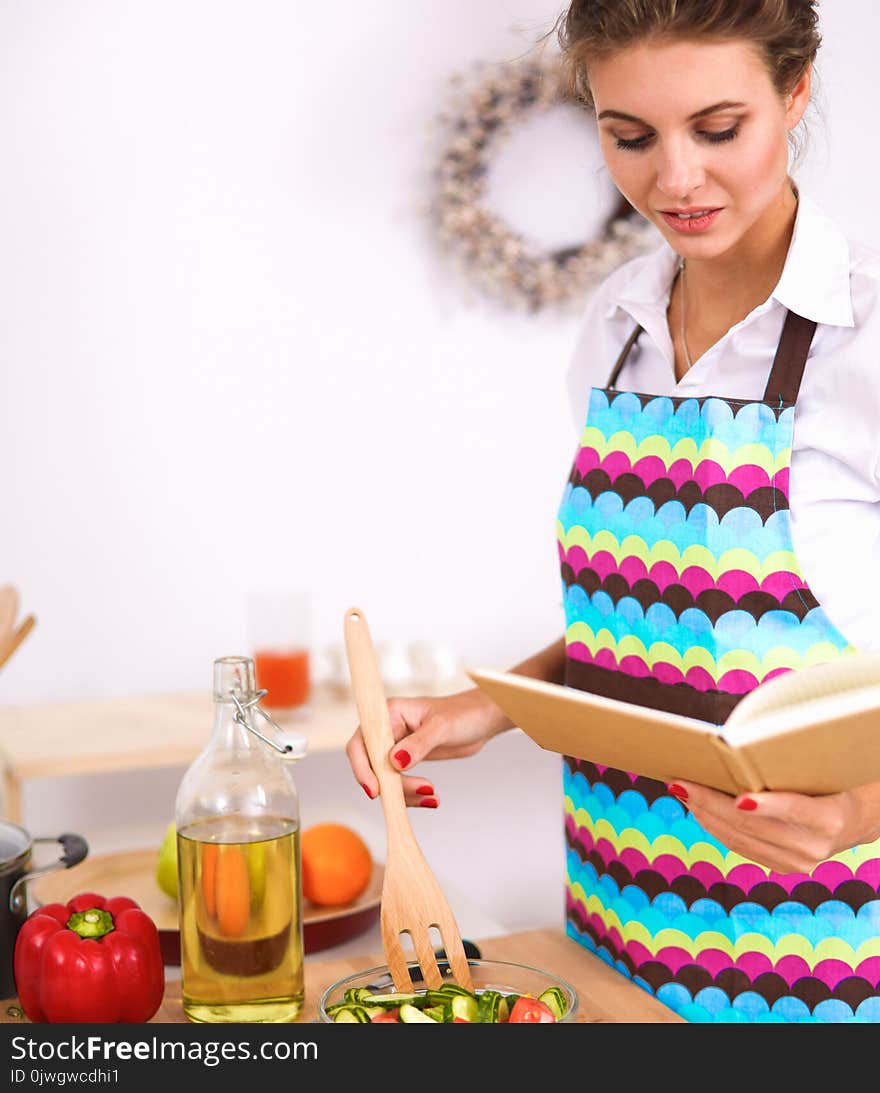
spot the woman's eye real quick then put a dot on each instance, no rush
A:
(633, 144)
(725, 135)
(638, 144)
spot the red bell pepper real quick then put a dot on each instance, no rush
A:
(91, 959)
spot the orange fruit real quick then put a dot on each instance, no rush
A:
(336, 864)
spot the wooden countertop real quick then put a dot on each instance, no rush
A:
(604, 995)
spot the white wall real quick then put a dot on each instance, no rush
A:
(232, 355)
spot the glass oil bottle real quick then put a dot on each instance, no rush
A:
(239, 880)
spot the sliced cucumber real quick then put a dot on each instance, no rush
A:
(441, 1006)
(352, 1015)
(410, 1015)
(454, 988)
(466, 1007)
(554, 998)
(489, 1007)
(390, 1001)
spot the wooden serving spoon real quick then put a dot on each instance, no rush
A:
(11, 642)
(412, 900)
(8, 610)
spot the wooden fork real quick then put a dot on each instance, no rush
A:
(412, 900)
(8, 610)
(12, 642)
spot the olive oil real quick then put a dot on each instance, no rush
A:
(241, 919)
(238, 860)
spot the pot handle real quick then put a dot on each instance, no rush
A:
(75, 850)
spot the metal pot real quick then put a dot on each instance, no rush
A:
(16, 847)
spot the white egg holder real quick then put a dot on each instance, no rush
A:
(405, 669)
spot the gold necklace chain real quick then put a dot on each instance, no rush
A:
(684, 343)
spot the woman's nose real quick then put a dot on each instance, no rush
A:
(679, 172)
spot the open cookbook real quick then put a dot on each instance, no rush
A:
(814, 731)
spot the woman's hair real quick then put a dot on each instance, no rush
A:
(785, 31)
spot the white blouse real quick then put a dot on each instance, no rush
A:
(835, 468)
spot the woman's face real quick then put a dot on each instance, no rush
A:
(698, 128)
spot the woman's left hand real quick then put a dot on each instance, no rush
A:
(787, 832)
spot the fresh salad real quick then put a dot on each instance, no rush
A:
(449, 1004)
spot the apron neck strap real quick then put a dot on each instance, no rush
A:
(621, 360)
(784, 381)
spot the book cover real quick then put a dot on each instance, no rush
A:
(814, 731)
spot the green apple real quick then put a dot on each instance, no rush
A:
(166, 866)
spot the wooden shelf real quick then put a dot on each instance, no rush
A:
(123, 734)
(61, 739)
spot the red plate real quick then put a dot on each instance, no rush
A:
(133, 873)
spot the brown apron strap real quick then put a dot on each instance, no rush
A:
(784, 381)
(634, 337)
(624, 353)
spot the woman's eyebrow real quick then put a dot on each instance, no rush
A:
(713, 109)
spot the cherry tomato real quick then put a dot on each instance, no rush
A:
(387, 1017)
(530, 1011)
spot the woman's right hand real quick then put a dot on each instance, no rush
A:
(448, 727)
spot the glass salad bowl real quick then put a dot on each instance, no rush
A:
(504, 978)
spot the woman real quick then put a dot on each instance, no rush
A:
(743, 348)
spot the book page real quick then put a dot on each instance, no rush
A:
(849, 673)
(827, 709)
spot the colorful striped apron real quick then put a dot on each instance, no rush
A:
(682, 592)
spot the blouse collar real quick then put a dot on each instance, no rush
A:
(815, 281)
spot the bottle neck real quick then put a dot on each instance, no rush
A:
(228, 732)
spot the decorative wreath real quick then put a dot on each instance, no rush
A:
(502, 261)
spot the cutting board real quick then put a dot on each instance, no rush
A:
(132, 873)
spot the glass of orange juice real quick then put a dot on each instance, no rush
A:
(279, 624)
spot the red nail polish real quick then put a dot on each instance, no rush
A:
(366, 790)
(402, 758)
(425, 791)
(429, 802)
(678, 791)
(747, 804)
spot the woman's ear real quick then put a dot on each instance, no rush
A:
(798, 98)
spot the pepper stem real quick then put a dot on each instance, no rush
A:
(91, 923)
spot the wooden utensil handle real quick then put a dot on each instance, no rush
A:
(16, 638)
(372, 709)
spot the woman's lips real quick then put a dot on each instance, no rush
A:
(691, 221)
